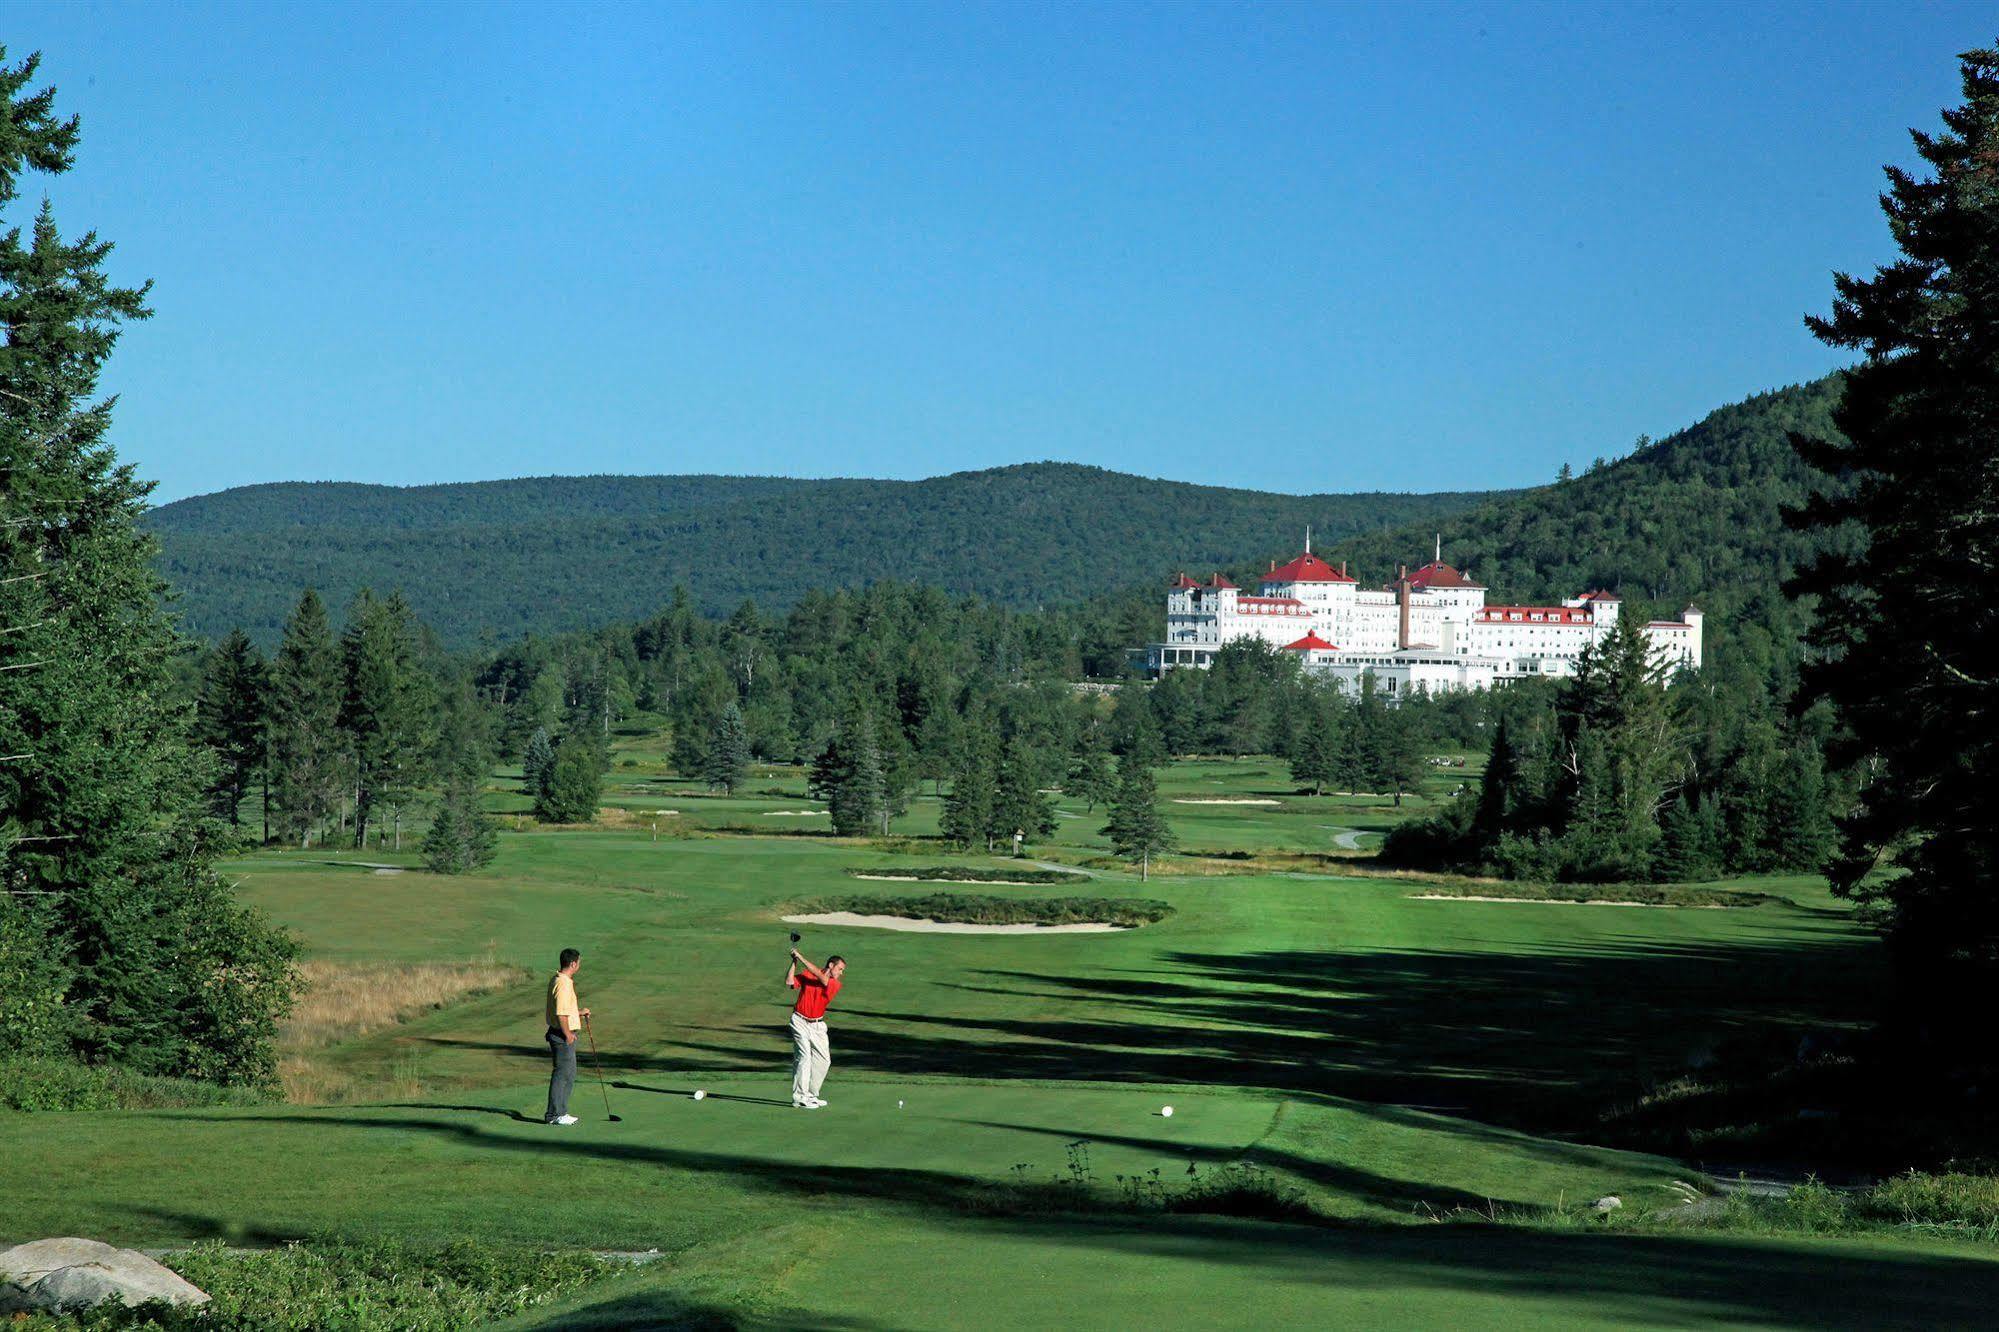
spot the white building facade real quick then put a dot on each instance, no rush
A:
(1430, 631)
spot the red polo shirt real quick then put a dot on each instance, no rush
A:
(813, 996)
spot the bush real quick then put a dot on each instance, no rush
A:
(32, 983)
(53, 1084)
(970, 874)
(979, 909)
(371, 1286)
(1648, 894)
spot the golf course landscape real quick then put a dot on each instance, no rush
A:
(1384, 1103)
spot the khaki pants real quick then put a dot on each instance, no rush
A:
(811, 1057)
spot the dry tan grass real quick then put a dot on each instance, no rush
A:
(345, 1000)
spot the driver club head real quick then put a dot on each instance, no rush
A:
(794, 936)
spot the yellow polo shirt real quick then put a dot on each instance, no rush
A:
(562, 1002)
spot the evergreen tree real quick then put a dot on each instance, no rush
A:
(1315, 759)
(1018, 805)
(968, 807)
(103, 806)
(858, 798)
(1691, 840)
(538, 763)
(1497, 787)
(1137, 829)
(304, 737)
(1800, 832)
(1907, 628)
(575, 784)
(386, 709)
(727, 764)
(462, 836)
(1620, 757)
(229, 719)
(1398, 757)
(1091, 776)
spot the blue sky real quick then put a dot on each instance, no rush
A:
(1290, 247)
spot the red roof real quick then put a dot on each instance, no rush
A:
(1310, 643)
(1181, 580)
(1439, 574)
(1548, 614)
(1307, 568)
(1218, 583)
(1254, 602)
(1600, 596)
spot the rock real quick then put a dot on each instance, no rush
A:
(1610, 1202)
(78, 1273)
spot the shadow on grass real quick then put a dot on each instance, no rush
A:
(688, 1092)
(1541, 1040)
(1632, 1277)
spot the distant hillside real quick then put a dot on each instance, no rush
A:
(1695, 516)
(489, 561)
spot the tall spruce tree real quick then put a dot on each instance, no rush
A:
(105, 834)
(726, 766)
(1091, 776)
(1137, 830)
(304, 724)
(858, 796)
(229, 719)
(1315, 756)
(1019, 808)
(537, 763)
(968, 807)
(386, 709)
(575, 784)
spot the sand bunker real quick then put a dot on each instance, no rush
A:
(792, 813)
(1563, 901)
(1221, 800)
(942, 926)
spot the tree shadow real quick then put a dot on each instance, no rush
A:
(712, 1096)
(1543, 1040)
(1644, 1278)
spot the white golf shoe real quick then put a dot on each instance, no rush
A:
(563, 1119)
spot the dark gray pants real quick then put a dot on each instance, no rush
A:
(562, 1077)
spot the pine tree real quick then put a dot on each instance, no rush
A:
(1092, 779)
(1019, 808)
(103, 806)
(1137, 829)
(858, 799)
(727, 764)
(304, 736)
(538, 763)
(1315, 760)
(1800, 835)
(575, 784)
(1398, 757)
(1907, 629)
(386, 709)
(1620, 757)
(462, 836)
(1690, 843)
(229, 719)
(1496, 791)
(968, 807)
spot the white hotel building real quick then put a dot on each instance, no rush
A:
(1430, 630)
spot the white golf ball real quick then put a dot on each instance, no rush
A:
(898, 1105)
(1168, 1112)
(701, 1095)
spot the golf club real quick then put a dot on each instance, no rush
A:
(591, 1032)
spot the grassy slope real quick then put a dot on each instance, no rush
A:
(1394, 1057)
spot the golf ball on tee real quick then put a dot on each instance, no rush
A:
(898, 1105)
(1167, 1111)
(701, 1095)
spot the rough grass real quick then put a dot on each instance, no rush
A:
(967, 874)
(342, 1001)
(983, 909)
(377, 1286)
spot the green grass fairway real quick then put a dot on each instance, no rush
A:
(1394, 1060)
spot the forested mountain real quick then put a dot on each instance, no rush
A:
(488, 561)
(1695, 516)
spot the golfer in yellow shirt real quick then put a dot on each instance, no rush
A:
(564, 1017)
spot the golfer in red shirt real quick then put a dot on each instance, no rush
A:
(813, 1056)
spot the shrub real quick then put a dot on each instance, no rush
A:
(370, 1286)
(54, 1084)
